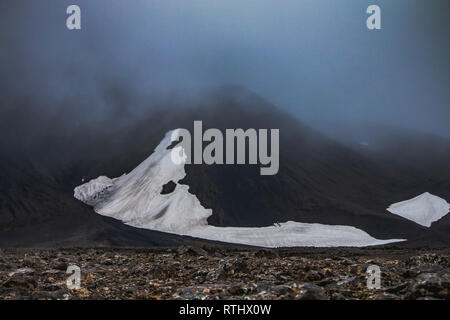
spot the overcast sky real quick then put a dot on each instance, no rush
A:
(314, 58)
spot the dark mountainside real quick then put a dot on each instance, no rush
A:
(319, 180)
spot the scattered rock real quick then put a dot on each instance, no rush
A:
(436, 285)
(314, 275)
(192, 251)
(269, 254)
(308, 291)
(22, 271)
(50, 295)
(223, 273)
(20, 281)
(61, 265)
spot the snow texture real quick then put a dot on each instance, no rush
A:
(423, 209)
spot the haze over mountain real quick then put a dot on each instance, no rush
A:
(314, 59)
(319, 181)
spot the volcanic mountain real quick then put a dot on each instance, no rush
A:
(319, 181)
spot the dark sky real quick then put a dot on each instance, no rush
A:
(314, 58)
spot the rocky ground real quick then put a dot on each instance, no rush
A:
(220, 273)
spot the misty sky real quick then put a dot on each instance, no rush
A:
(314, 58)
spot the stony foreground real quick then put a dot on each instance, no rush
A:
(218, 273)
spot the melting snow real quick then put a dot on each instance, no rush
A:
(423, 209)
(136, 199)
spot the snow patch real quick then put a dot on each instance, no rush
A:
(423, 209)
(136, 200)
(91, 192)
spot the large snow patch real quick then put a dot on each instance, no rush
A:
(136, 199)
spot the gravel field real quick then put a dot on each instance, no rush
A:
(211, 272)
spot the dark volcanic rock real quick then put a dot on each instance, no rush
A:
(308, 291)
(199, 273)
(19, 284)
(436, 285)
(51, 295)
(192, 251)
(169, 187)
(266, 254)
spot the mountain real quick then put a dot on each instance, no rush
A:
(424, 155)
(320, 180)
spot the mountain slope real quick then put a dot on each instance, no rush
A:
(319, 181)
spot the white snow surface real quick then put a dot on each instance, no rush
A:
(423, 209)
(136, 200)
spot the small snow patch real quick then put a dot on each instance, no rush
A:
(423, 209)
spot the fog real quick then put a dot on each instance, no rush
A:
(313, 58)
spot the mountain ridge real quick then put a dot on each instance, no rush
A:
(319, 180)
